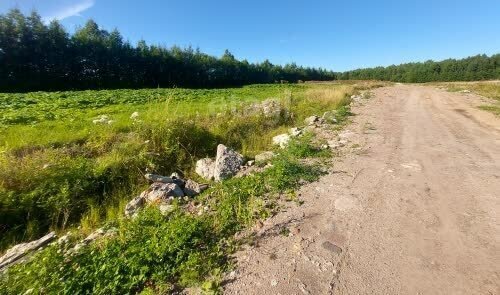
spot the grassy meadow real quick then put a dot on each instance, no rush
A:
(61, 171)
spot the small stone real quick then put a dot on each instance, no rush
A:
(264, 156)
(250, 163)
(311, 120)
(274, 283)
(134, 115)
(192, 188)
(175, 175)
(281, 140)
(295, 131)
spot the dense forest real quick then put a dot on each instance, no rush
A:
(474, 68)
(38, 56)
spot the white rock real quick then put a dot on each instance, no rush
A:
(227, 163)
(205, 168)
(134, 115)
(295, 131)
(281, 140)
(311, 120)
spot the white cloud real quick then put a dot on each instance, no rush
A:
(71, 10)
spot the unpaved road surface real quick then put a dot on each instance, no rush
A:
(411, 207)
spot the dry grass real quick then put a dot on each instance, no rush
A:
(333, 96)
(490, 89)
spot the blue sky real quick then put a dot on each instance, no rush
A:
(337, 35)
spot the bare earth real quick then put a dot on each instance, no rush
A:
(413, 210)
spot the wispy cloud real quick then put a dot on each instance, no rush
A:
(71, 10)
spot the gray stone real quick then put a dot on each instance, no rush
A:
(134, 206)
(162, 192)
(192, 188)
(227, 163)
(205, 168)
(158, 178)
(20, 251)
(281, 140)
(264, 156)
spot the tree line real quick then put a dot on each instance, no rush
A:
(39, 56)
(474, 68)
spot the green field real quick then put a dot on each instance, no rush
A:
(61, 171)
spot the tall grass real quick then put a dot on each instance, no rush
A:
(65, 170)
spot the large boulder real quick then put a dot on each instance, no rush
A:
(162, 192)
(281, 140)
(205, 168)
(227, 163)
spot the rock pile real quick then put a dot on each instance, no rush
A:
(163, 191)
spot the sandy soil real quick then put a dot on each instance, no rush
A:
(412, 207)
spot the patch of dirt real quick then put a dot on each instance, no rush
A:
(416, 212)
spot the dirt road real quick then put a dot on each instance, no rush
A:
(411, 208)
